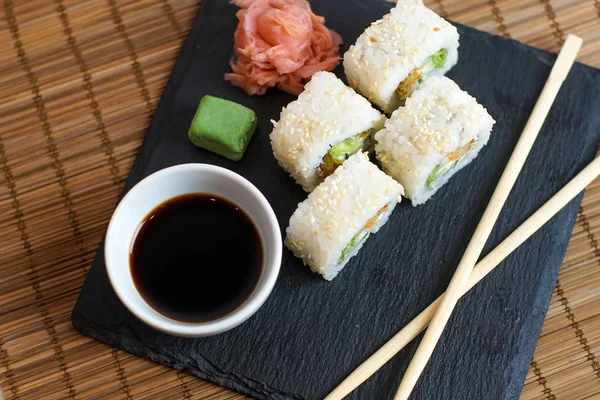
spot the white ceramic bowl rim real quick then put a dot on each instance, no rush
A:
(262, 289)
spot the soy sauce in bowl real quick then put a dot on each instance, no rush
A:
(196, 258)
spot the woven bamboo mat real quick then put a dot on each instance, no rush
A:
(79, 81)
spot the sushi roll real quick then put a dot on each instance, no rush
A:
(326, 124)
(439, 131)
(399, 51)
(332, 224)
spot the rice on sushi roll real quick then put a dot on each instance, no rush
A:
(399, 51)
(317, 132)
(439, 131)
(332, 224)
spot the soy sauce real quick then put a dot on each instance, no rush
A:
(196, 258)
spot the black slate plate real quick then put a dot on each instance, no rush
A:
(311, 333)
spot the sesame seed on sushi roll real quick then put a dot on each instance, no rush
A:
(332, 224)
(317, 132)
(439, 131)
(398, 52)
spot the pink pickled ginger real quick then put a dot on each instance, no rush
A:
(280, 43)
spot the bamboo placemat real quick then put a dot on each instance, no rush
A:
(79, 81)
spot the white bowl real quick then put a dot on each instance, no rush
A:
(162, 186)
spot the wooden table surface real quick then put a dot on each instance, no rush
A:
(79, 81)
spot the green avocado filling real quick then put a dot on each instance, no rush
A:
(363, 234)
(439, 170)
(357, 239)
(341, 151)
(436, 61)
(417, 75)
(439, 58)
(452, 159)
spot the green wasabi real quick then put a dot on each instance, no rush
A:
(223, 127)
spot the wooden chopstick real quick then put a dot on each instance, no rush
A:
(458, 283)
(483, 267)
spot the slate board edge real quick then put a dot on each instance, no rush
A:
(528, 340)
(261, 390)
(240, 383)
(128, 343)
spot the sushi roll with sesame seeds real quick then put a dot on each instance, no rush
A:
(317, 132)
(440, 130)
(332, 224)
(400, 51)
